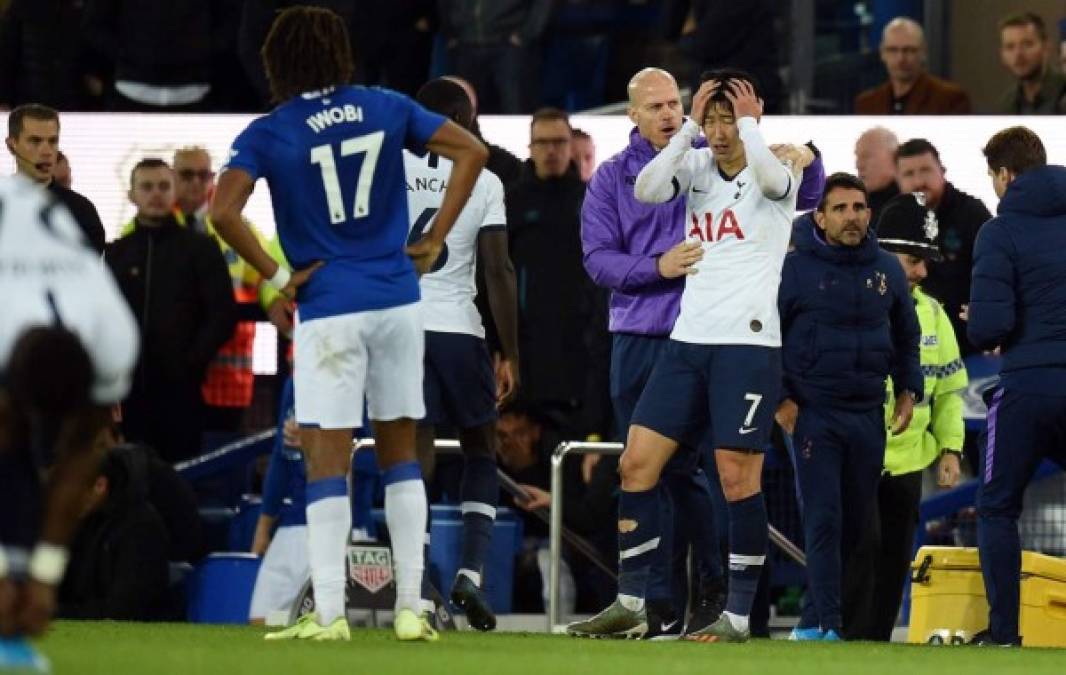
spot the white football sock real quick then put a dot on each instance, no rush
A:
(405, 513)
(329, 522)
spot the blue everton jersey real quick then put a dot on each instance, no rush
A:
(334, 163)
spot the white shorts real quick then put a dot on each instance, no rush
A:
(286, 568)
(376, 354)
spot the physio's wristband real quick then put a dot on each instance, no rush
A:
(280, 279)
(48, 563)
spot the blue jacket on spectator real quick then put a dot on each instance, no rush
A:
(1017, 297)
(847, 322)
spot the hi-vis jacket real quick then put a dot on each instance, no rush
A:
(937, 423)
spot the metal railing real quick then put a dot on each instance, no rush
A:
(556, 529)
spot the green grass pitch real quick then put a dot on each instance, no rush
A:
(107, 648)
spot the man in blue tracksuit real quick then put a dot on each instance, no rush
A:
(847, 323)
(1018, 304)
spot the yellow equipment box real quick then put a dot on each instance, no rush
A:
(948, 597)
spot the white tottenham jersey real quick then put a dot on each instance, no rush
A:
(732, 299)
(51, 277)
(448, 292)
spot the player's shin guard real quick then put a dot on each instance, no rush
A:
(639, 535)
(405, 513)
(748, 537)
(480, 492)
(329, 524)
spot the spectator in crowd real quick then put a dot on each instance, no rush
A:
(583, 154)
(256, 19)
(959, 216)
(175, 282)
(118, 564)
(228, 386)
(1018, 305)
(719, 33)
(875, 574)
(33, 139)
(161, 52)
(558, 306)
(525, 444)
(494, 46)
(910, 89)
(394, 42)
(502, 162)
(43, 57)
(1026, 52)
(62, 174)
(839, 343)
(875, 162)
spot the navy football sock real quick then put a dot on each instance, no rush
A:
(480, 492)
(748, 537)
(638, 540)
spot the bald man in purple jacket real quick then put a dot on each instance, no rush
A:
(638, 251)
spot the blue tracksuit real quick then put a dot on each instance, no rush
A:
(847, 322)
(1018, 303)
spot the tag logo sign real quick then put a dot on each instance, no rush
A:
(370, 567)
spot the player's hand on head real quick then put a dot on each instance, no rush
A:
(680, 260)
(506, 371)
(701, 99)
(745, 102)
(299, 278)
(423, 253)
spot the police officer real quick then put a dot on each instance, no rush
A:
(875, 574)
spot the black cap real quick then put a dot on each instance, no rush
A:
(907, 226)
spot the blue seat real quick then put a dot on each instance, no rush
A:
(220, 589)
(445, 550)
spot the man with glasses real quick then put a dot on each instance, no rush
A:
(227, 388)
(560, 313)
(910, 89)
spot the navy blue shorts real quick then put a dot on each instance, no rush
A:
(719, 396)
(459, 385)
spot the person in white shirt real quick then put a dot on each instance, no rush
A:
(719, 379)
(68, 345)
(460, 386)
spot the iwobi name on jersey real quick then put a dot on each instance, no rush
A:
(333, 162)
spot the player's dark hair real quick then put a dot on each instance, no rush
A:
(446, 97)
(1022, 19)
(61, 157)
(576, 133)
(916, 147)
(723, 75)
(845, 181)
(147, 163)
(549, 115)
(1016, 149)
(307, 49)
(49, 371)
(34, 111)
